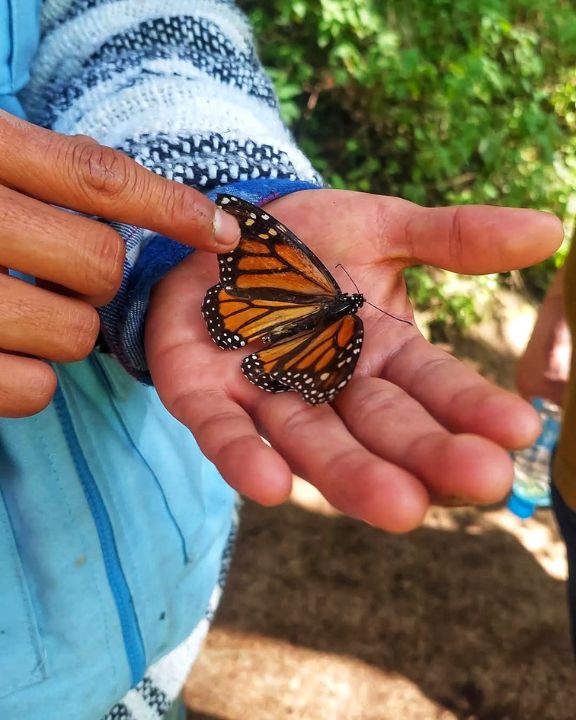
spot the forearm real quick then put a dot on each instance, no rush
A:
(543, 369)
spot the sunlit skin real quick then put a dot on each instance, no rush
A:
(414, 425)
(76, 260)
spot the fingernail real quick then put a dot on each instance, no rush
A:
(226, 229)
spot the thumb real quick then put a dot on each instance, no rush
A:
(476, 239)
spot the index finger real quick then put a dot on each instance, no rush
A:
(78, 173)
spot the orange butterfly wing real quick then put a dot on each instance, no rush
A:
(234, 320)
(317, 364)
(270, 259)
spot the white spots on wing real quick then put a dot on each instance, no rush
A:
(314, 386)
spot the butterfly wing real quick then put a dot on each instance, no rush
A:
(273, 288)
(270, 260)
(317, 364)
(234, 320)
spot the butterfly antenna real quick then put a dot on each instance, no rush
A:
(349, 276)
(371, 304)
(408, 322)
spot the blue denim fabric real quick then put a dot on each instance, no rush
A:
(64, 635)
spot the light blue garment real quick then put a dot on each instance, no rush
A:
(95, 589)
(19, 32)
(112, 523)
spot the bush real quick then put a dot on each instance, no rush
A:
(444, 101)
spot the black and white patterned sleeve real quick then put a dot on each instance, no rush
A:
(174, 83)
(177, 85)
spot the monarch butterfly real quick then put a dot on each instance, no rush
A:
(274, 289)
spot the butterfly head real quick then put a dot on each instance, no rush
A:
(345, 303)
(356, 301)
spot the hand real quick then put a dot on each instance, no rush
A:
(79, 259)
(543, 369)
(414, 425)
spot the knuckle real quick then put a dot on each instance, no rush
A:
(217, 422)
(100, 169)
(426, 373)
(79, 337)
(107, 250)
(44, 324)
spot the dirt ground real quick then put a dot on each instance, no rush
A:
(328, 619)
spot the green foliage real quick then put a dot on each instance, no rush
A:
(443, 101)
(445, 301)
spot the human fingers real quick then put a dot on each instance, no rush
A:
(26, 385)
(318, 447)
(35, 321)
(78, 173)
(477, 239)
(77, 253)
(393, 425)
(228, 437)
(459, 398)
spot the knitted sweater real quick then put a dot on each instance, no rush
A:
(177, 85)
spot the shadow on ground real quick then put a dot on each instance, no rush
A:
(326, 618)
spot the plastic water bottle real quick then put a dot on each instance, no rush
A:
(531, 487)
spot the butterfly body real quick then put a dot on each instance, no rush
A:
(275, 291)
(330, 311)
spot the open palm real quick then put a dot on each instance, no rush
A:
(414, 425)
